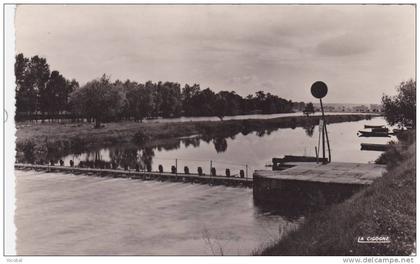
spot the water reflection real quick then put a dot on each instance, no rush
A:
(168, 145)
(246, 131)
(309, 130)
(261, 133)
(123, 158)
(220, 144)
(229, 148)
(141, 157)
(191, 141)
(293, 123)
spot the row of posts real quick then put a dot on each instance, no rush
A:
(200, 171)
(174, 169)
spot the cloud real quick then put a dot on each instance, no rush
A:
(344, 45)
(280, 49)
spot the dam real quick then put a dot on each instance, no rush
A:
(300, 185)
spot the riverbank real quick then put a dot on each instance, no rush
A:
(37, 140)
(386, 208)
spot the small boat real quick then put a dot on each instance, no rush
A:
(382, 129)
(281, 163)
(372, 134)
(374, 147)
(371, 126)
(291, 158)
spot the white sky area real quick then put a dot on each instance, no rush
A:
(360, 51)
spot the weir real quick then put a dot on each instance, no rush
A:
(302, 186)
(143, 175)
(268, 185)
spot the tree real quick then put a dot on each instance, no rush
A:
(188, 104)
(206, 102)
(271, 104)
(171, 102)
(71, 86)
(37, 77)
(401, 109)
(221, 104)
(309, 109)
(54, 96)
(140, 101)
(98, 99)
(37, 89)
(127, 108)
(20, 69)
(31, 77)
(233, 102)
(25, 93)
(249, 104)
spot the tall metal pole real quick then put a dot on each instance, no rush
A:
(323, 130)
(325, 133)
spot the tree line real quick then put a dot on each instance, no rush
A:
(45, 93)
(40, 90)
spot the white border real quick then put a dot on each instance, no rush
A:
(9, 144)
(9, 147)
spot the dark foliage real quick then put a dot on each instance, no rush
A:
(401, 109)
(41, 94)
(39, 91)
(309, 109)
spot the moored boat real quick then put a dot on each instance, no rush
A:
(372, 126)
(372, 134)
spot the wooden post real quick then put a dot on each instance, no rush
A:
(323, 143)
(328, 141)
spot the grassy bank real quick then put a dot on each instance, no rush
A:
(387, 207)
(73, 138)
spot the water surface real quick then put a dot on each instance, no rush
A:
(246, 151)
(64, 214)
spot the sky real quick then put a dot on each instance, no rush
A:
(359, 51)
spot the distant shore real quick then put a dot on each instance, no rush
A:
(69, 138)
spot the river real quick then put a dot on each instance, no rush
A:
(65, 214)
(59, 214)
(242, 151)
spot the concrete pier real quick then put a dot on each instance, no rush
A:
(311, 185)
(143, 175)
